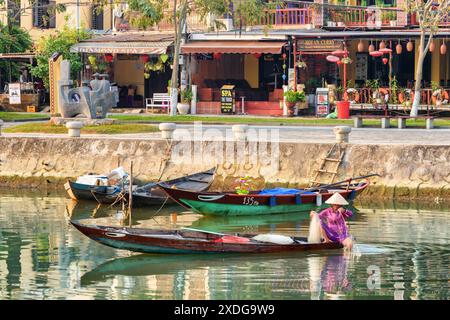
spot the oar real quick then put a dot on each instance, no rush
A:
(340, 182)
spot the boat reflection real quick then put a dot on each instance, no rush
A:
(307, 275)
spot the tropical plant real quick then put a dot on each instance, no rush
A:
(294, 96)
(60, 42)
(186, 95)
(311, 84)
(13, 39)
(373, 84)
(394, 90)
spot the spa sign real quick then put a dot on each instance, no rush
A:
(14, 93)
(322, 45)
(227, 98)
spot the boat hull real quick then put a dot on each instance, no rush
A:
(78, 191)
(231, 204)
(157, 241)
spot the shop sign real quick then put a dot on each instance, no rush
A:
(322, 45)
(14, 93)
(227, 98)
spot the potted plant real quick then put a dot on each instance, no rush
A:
(291, 98)
(185, 101)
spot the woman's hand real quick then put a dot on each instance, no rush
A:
(312, 213)
(341, 210)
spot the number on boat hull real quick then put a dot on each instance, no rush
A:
(250, 201)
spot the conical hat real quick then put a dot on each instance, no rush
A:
(337, 199)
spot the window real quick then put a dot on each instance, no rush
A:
(97, 18)
(44, 15)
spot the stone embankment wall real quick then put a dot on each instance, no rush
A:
(407, 171)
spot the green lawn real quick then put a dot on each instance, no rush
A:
(12, 116)
(101, 129)
(312, 121)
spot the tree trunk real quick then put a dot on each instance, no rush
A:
(178, 26)
(419, 73)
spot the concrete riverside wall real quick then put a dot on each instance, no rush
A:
(406, 170)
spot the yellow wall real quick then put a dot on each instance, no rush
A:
(129, 72)
(251, 70)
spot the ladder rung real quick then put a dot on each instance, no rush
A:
(326, 171)
(331, 159)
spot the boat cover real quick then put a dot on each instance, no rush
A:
(283, 191)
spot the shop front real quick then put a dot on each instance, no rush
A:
(139, 63)
(256, 70)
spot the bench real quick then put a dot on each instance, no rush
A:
(358, 120)
(402, 121)
(159, 100)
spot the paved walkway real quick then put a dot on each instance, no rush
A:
(305, 134)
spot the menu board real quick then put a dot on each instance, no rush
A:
(14, 93)
(361, 67)
(227, 98)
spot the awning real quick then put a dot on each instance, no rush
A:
(17, 56)
(125, 44)
(242, 47)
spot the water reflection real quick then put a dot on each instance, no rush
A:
(43, 257)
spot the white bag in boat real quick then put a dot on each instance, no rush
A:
(93, 180)
(119, 172)
(314, 229)
(273, 238)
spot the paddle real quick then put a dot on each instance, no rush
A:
(340, 182)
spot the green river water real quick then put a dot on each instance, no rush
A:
(402, 252)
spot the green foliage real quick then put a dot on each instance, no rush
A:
(251, 11)
(294, 96)
(186, 95)
(311, 84)
(394, 90)
(60, 42)
(435, 86)
(373, 84)
(13, 39)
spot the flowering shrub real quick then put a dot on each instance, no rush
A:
(243, 185)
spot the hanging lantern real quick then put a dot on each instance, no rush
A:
(257, 55)
(371, 48)
(217, 56)
(398, 48)
(385, 60)
(432, 46)
(144, 58)
(409, 46)
(283, 56)
(332, 59)
(385, 50)
(382, 45)
(339, 62)
(443, 48)
(376, 53)
(109, 57)
(360, 46)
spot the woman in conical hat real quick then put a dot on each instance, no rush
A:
(332, 221)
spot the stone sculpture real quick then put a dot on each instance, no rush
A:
(86, 100)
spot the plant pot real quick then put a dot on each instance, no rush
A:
(291, 111)
(183, 108)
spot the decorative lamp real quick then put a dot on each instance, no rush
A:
(382, 45)
(371, 48)
(432, 46)
(385, 60)
(360, 46)
(410, 46)
(399, 48)
(443, 48)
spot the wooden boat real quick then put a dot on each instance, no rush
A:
(190, 241)
(254, 203)
(79, 191)
(150, 194)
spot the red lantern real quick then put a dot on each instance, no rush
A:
(339, 62)
(360, 46)
(332, 59)
(145, 58)
(432, 46)
(257, 55)
(382, 45)
(443, 48)
(217, 56)
(371, 48)
(385, 60)
(283, 56)
(385, 50)
(376, 53)
(109, 57)
(409, 46)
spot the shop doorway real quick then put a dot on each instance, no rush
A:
(157, 82)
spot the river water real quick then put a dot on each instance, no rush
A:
(402, 253)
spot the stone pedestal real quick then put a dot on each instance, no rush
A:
(358, 122)
(430, 124)
(240, 132)
(401, 123)
(1, 124)
(342, 133)
(167, 130)
(74, 128)
(385, 123)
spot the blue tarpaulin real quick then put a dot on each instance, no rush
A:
(281, 191)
